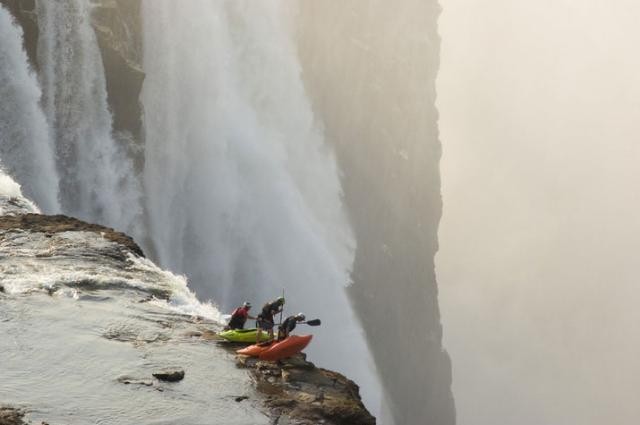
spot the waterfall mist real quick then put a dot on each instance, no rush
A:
(540, 233)
(242, 193)
(26, 150)
(97, 179)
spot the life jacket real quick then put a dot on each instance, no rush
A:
(238, 318)
(240, 311)
(287, 326)
(269, 310)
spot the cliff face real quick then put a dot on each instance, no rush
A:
(117, 24)
(24, 13)
(105, 321)
(370, 69)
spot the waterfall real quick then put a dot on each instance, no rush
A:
(25, 143)
(241, 191)
(97, 180)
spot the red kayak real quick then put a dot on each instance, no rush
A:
(289, 346)
(255, 349)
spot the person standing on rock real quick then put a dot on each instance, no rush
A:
(288, 325)
(239, 316)
(265, 318)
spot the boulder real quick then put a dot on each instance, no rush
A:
(169, 375)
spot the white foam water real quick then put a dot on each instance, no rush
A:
(97, 179)
(12, 202)
(242, 193)
(63, 263)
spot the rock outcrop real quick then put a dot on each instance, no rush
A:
(292, 391)
(169, 375)
(51, 224)
(297, 392)
(11, 416)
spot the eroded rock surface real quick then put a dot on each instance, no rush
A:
(11, 416)
(51, 224)
(297, 392)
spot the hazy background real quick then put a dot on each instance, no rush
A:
(540, 236)
(369, 68)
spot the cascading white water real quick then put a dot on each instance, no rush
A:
(25, 144)
(97, 180)
(242, 194)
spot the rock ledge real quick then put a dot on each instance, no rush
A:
(61, 223)
(298, 393)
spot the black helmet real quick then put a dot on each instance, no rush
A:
(300, 316)
(246, 304)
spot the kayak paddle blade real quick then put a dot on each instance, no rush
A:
(313, 322)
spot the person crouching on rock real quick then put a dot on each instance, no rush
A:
(239, 316)
(288, 325)
(265, 318)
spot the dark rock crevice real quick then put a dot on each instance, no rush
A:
(117, 24)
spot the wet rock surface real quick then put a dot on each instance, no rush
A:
(52, 224)
(132, 380)
(119, 36)
(292, 391)
(297, 392)
(11, 416)
(170, 375)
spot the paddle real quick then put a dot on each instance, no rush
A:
(312, 322)
(282, 306)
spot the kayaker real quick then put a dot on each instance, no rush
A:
(265, 321)
(239, 316)
(288, 325)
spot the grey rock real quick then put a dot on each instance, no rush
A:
(11, 416)
(169, 375)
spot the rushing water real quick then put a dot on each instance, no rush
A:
(78, 323)
(97, 180)
(240, 191)
(243, 194)
(25, 142)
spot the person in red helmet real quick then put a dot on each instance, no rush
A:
(239, 316)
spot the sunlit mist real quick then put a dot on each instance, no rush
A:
(540, 232)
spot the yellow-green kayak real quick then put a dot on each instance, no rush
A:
(244, 335)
